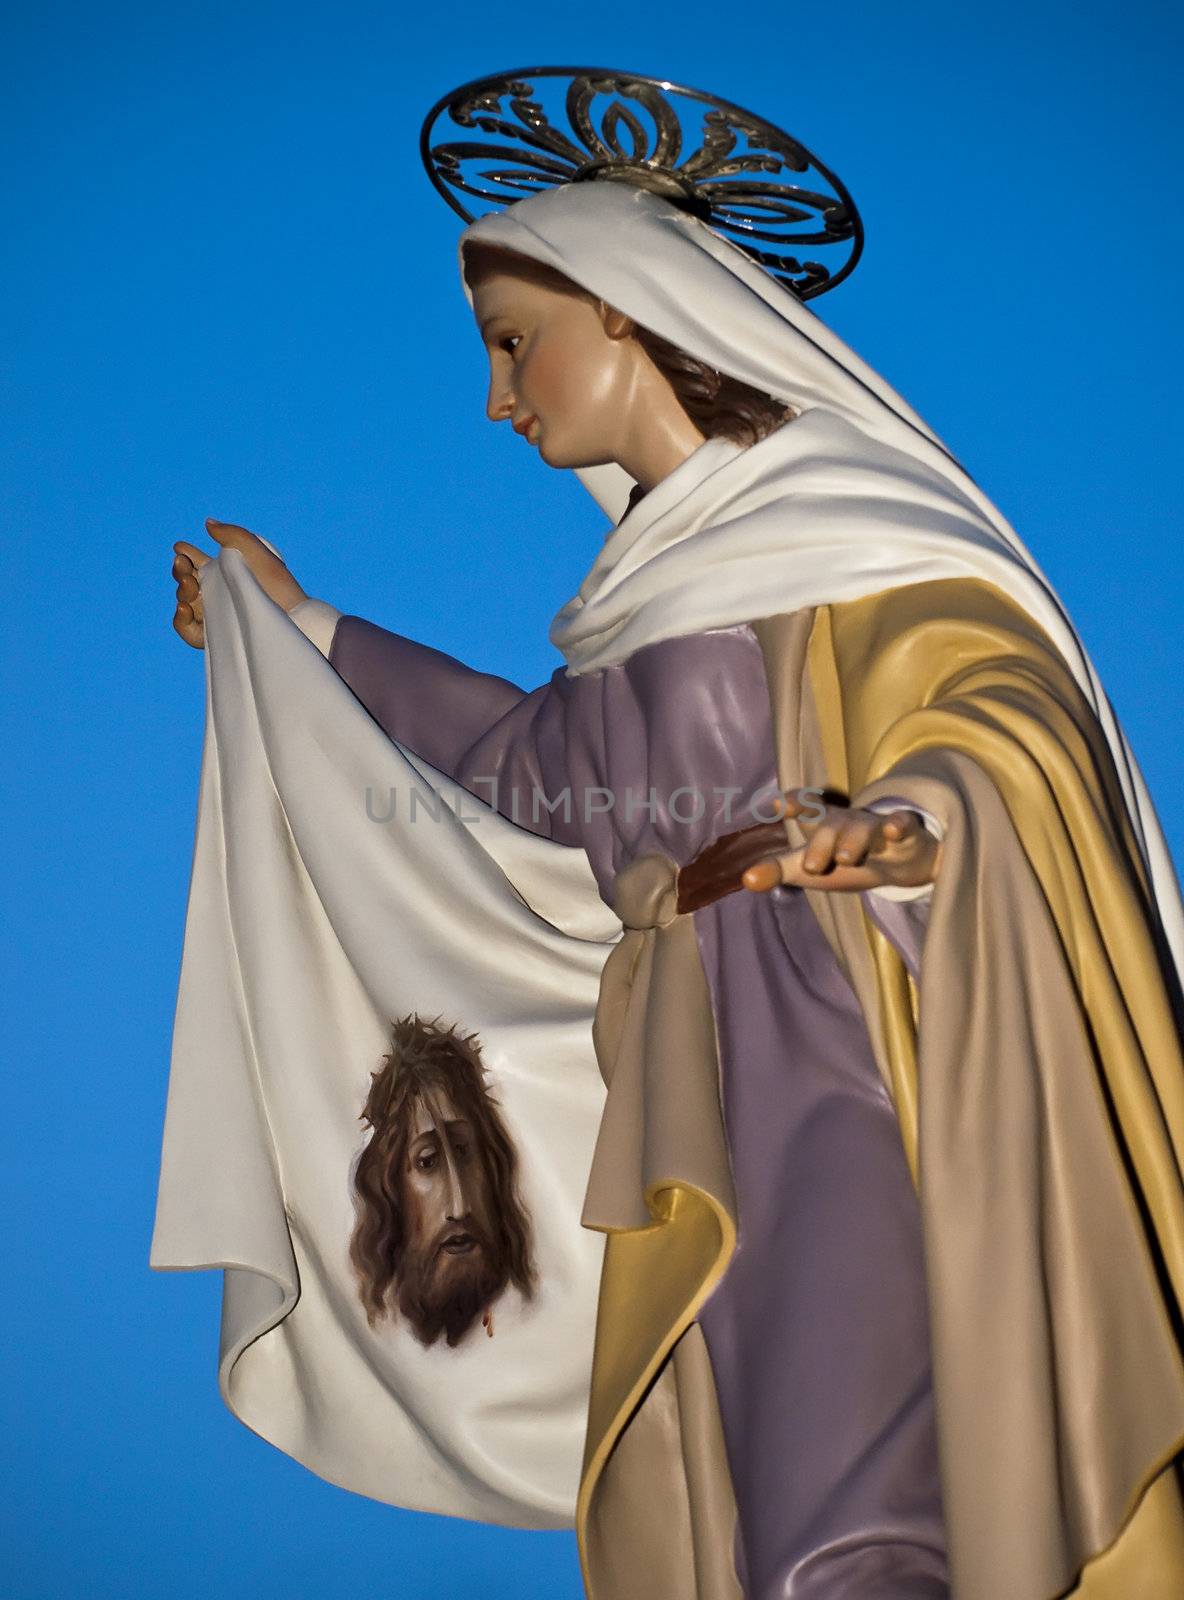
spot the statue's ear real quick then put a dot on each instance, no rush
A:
(616, 324)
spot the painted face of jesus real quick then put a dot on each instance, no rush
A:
(446, 1182)
(562, 368)
(449, 1271)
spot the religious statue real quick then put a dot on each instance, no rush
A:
(815, 923)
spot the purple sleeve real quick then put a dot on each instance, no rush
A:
(500, 742)
(425, 699)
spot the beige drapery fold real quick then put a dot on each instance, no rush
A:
(1038, 1079)
(1041, 1096)
(656, 1514)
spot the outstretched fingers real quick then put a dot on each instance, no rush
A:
(848, 849)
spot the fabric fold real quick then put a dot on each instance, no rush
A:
(1037, 1075)
(661, 1188)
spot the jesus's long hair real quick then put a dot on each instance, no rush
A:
(425, 1056)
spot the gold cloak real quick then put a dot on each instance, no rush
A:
(1037, 1075)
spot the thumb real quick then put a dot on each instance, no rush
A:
(228, 533)
(231, 536)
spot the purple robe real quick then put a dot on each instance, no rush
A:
(818, 1331)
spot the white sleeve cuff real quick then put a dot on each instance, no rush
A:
(317, 621)
(915, 891)
(901, 891)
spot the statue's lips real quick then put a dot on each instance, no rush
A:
(458, 1244)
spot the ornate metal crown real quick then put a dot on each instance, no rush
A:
(634, 129)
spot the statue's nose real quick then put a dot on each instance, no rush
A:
(455, 1198)
(499, 402)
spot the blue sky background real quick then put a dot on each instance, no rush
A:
(230, 291)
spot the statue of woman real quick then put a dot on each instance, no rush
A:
(889, 1162)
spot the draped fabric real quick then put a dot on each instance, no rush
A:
(1038, 1076)
(322, 906)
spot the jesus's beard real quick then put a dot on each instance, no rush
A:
(440, 1293)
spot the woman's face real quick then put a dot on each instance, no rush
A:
(557, 369)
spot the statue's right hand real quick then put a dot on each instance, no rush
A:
(269, 571)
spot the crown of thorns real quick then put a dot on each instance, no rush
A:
(745, 178)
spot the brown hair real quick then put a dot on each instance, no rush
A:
(426, 1056)
(721, 407)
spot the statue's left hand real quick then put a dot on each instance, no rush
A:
(849, 848)
(269, 570)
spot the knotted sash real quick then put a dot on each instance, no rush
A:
(656, 1510)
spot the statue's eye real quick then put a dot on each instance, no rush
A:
(426, 1160)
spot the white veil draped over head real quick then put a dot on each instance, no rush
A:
(855, 496)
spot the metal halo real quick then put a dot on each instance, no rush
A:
(639, 138)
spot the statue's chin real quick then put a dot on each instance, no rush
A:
(451, 1298)
(572, 459)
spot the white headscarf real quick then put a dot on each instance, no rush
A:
(856, 496)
